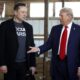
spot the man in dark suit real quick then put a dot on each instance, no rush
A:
(64, 40)
(16, 37)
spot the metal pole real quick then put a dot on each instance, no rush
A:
(45, 38)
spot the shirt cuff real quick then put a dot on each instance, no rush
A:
(38, 51)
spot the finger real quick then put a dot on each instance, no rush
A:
(5, 71)
(30, 47)
(33, 73)
(29, 51)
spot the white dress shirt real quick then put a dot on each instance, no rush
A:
(68, 33)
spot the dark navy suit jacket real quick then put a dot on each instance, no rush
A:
(73, 49)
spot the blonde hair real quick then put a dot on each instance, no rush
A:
(68, 11)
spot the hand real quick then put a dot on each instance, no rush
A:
(3, 69)
(33, 69)
(33, 49)
(78, 72)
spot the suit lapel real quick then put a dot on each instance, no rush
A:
(57, 33)
(12, 26)
(71, 35)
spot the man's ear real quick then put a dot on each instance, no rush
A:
(15, 12)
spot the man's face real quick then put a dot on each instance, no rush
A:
(21, 13)
(64, 18)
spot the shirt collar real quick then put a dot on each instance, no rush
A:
(69, 25)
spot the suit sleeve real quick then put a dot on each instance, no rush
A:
(2, 44)
(48, 44)
(32, 59)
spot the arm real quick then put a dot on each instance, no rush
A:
(2, 44)
(45, 47)
(31, 57)
(3, 67)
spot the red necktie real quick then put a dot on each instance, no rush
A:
(63, 44)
